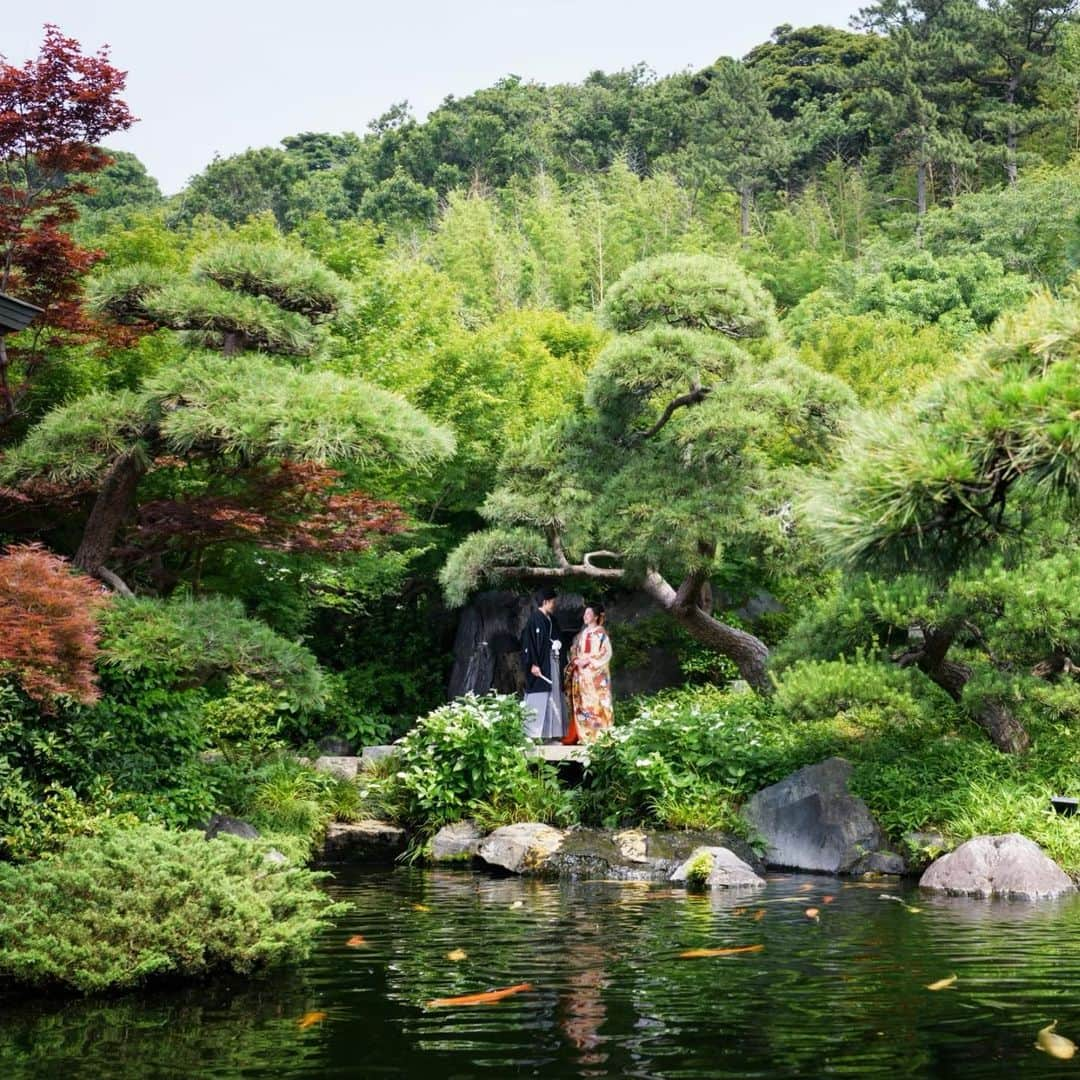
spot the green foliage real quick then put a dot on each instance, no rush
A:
(958, 473)
(246, 719)
(537, 796)
(697, 873)
(194, 642)
(114, 912)
(470, 751)
(883, 359)
(696, 292)
(812, 690)
(479, 556)
(288, 276)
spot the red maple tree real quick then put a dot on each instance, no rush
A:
(48, 627)
(294, 507)
(53, 110)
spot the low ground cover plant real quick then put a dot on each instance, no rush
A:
(115, 911)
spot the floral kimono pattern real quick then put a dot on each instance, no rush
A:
(588, 686)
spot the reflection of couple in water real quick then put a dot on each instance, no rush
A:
(587, 680)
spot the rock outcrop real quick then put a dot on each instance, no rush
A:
(1009, 866)
(523, 848)
(223, 825)
(458, 842)
(364, 841)
(727, 870)
(810, 821)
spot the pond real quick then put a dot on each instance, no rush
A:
(842, 994)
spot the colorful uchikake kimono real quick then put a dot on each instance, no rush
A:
(588, 688)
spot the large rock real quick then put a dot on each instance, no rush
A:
(345, 767)
(223, 825)
(636, 854)
(810, 821)
(335, 746)
(455, 843)
(522, 848)
(1010, 866)
(727, 870)
(364, 841)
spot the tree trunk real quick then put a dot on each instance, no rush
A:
(920, 185)
(113, 506)
(1006, 732)
(746, 203)
(1010, 130)
(749, 654)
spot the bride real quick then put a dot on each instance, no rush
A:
(588, 680)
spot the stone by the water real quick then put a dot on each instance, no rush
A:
(636, 854)
(335, 746)
(522, 848)
(727, 871)
(364, 841)
(1009, 866)
(810, 821)
(456, 842)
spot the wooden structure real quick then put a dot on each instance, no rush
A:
(15, 315)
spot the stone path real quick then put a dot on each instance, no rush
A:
(350, 766)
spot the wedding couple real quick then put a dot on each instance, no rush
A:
(587, 681)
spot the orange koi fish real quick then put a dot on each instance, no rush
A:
(487, 998)
(357, 941)
(812, 912)
(695, 954)
(759, 915)
(310, 1019)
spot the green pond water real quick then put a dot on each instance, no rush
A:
(844, 995)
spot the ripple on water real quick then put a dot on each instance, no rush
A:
(840, 994)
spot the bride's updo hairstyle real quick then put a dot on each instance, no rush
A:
(598, 611)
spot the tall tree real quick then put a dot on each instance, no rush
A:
(916, 92)
(54, 109)
(1020, 40)
(673, 468)
(232, 399)
(962, 492)
(736, 140)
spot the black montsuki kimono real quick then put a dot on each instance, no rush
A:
(536, 649)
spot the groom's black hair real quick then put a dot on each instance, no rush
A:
(546, 593)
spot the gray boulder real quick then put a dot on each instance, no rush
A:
(522, 848)
(456, 842)
(364, 841)
(637, 854)
(223, 825)
(345, 767)
(727, 871)
(810, 821)
(1010, 866)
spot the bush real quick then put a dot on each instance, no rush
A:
(112, 912)
(469, 751)
(817, 690)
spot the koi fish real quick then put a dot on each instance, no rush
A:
(696, 954)
(903, 903)
(736, 912)
(1056, 1046)
(310, 1019)
(812, 913)
(942, 984)
(420, 907)
(759, 915)
(489, 997)
(827, 899)
(357, 941)
(456, 954)
(806, 887)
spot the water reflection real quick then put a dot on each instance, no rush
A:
(843, 995)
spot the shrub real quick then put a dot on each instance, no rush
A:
(48, 633)
(816, 690)
(112, 912)
(469, 751)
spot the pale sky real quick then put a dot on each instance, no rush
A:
(206, 77)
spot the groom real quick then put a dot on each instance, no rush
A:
(543, 694)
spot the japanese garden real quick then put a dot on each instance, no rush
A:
(753, 389)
